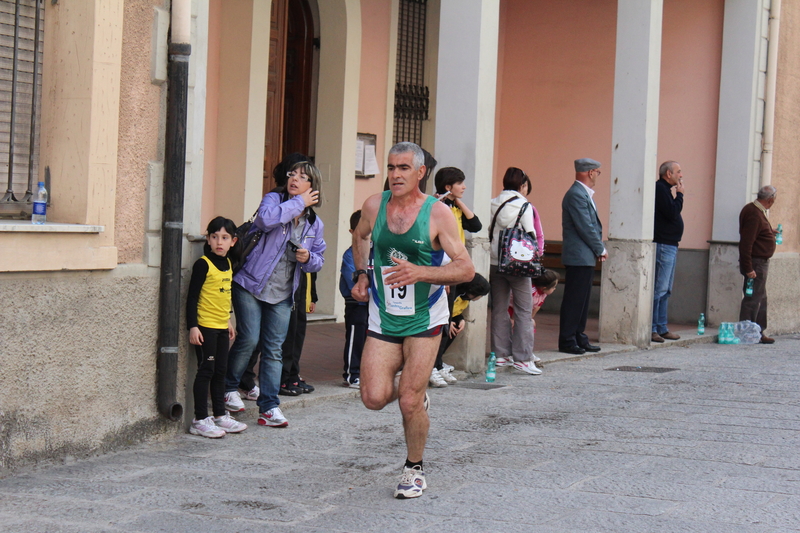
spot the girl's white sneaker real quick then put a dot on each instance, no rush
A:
(206, 428)
(229, 424)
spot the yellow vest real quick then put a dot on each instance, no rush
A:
(459, 306)
(458, 213)
(214, 303)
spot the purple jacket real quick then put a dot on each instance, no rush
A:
(275, 219)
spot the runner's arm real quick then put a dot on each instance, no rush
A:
(361, 236)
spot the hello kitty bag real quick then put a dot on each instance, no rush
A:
(518, 253)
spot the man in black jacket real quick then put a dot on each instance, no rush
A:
(667, 233)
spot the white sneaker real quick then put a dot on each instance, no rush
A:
(233, 402)
(528, 367)
(229, 424)
(356, 384)
(504, 361)
(436, 379)
(412, 483)
(535, 359)
(447, 376)
(252, 394)
(447, 368)
(273, 418)
(206, 428)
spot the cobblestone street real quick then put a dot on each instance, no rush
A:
(709, 446)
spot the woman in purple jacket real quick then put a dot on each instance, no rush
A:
(263, 290)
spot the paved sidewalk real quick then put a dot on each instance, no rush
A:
(711, 446)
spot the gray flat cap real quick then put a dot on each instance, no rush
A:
(585, 164)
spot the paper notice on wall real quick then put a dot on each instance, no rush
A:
(371, 167)
(360, 156)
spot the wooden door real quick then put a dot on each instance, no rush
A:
(273, 141)
(297, 88)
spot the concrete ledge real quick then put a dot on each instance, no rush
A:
(48, 227)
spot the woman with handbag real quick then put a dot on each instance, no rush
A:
(263, 289)
(513, 343)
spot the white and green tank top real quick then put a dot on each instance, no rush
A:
(414, 308)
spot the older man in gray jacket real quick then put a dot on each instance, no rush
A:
(582, 233)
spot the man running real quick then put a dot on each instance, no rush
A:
(410, 231)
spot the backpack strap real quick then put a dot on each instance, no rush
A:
(494, 219)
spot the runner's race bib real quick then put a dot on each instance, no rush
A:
(399, 301)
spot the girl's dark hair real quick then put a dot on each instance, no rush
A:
(547, 280)
(477, 287)
(217, 224)
(515, 178)
(355, 218)
(447, 176)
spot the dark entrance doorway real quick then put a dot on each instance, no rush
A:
(291, 55)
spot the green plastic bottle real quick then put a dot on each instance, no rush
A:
(491, 368)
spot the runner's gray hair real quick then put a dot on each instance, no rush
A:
(416, 151)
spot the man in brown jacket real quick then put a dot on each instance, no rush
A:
(756, 246)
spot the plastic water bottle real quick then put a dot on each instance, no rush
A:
(748, 289)
(779, 236)
(39, 215)
(725, 335)
(701, 324)
(491, 368)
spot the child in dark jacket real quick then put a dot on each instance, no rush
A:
(356, 316)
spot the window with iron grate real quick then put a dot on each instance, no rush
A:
(21, 43)
(411, 94)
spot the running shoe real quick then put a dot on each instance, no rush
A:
(290, 389)
(412, 483)
(426, 403)
(273, 418)
(233, 402)
(252, 394)
(305, 387)
(447, 376)
(356, 384)
(447, 368)
(504, 361)
(528, 367)
(436, 379)
(229, 424)
(206, 428)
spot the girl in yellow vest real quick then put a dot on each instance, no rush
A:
(208, 318)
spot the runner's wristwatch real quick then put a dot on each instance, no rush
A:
(358, 273)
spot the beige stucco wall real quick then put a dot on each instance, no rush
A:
(783, 286)
(786, 160)
(141, 108)
(372, 99)
(79, 348)
(78, 363)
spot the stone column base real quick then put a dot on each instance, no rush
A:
(626, 293)
(468, 352)
(724, 283)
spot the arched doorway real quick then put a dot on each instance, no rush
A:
(289, 86)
